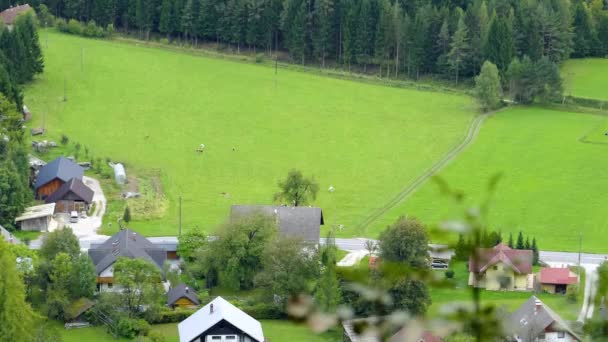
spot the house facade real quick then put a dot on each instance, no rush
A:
(501, 268)
(182, 296)
(535, 321)
(220, 321)
(73, 195)
(556, 280)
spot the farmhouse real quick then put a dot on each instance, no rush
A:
(9, 15)
(501, 268)
(73, 195)
(37, 218)
(54, 174)
(535, 321)
(126, 243)
(182, 296)
(556, 280)
(301, 222)
(222, 322)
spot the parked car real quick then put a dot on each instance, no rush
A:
(73, 217)
(437, 265)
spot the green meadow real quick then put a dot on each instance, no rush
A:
(552, 186)
(150, 108)
(586, 78)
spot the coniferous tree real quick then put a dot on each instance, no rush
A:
(584, 38)
(520, 241)
(164, 25)
(499, 46)
(511, 240)
(459, 48)
(535, 253)
(324, 29)
(527, 243)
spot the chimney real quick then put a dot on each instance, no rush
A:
(537, 306)
(187, 289)
(211, 308)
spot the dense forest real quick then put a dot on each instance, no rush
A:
(20, 61)
(448, 37)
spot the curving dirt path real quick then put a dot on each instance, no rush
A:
(472, 132)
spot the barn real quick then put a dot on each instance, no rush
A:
(73, 195)
(36, 218)
(54, 174)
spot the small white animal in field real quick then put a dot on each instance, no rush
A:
(331, 188)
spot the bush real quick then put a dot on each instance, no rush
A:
(572, 293)
(110, 30)
(130, 328)
(74, 27)
(64, 139)
(166, 315)
(264, 311)
(61, 25)
(259, 58)
(155, 336)
(449, 274)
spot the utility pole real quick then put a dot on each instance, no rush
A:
(82, 58)
(65, 97)
(180, 215)
(580, 251)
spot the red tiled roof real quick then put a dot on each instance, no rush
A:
(518, 259)
(557, 276)
(8, 16)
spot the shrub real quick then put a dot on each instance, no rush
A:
(74, 27)
(167, 315)
(110, 30)
(572, 293)
(264, 311)
(155, 336)
(64, 139)
(130, 328)
(62, 25)
(449, 274)
(259, 58)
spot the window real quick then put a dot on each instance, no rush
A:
(561, 334)
(110, 285)
(541, 337)
(231, 338)
(495, 268)
(216, 338)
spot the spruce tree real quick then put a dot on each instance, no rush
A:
(510, 240)
(520, 241)
(127, 215)
(499, 46)
(459, 48)
(527, 243)
(164, 25)
(535, 253)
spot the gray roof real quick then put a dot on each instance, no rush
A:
(37, 211)
(75, 186)
(8, 236)
(61, 168)
(129, 244)
(180, 291)
(302, 222)
(530, 321)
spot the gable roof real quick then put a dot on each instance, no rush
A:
(129, 244)
(61, 168)
(204, 319)
(9, 15)
(36, 211)
(75, 186)
(303, 222)
(559, 276)
(518, 259)
(533, 317)
(182, 291)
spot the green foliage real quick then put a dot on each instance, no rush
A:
(499, 47)
(411, 296)
(327, 292)
(15, 313)
(459, 47)
(59, 241)
(126, 216)
(449, 274)
(520, 241)
(190, 243)
(64, 139)
(88, 29)
(45, 17)
(140, 281)
(130, 328)
(487, 87)
(406, 241)
(297, 190)
(572, 293)
(530, 80)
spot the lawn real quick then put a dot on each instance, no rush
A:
(273, 331)
(460, 293)
(587, 78)
(552, 186)
(150, 108)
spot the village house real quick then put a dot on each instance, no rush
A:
(37, 218)
(501, 268)
(182, 296)
(349, 333)
(535, 321)
(220, 321)
(73, 195)
(53, 175)
(556, 280)
(126, 243)
(300, 222)
(9, 15)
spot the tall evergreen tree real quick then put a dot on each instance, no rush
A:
(535, 253)
(459, 48)
(584, 35)
(511, 240)
(520, 241)
(323, 29)
(499, 46)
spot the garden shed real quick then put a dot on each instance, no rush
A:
(36, 218)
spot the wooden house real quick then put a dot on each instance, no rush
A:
(37, 218)
(73, 195)
(53, 175)
(182, 296)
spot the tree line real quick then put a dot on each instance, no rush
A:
(450, 38)
(20, 60)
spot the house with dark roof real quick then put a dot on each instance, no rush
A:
(53, 175)
(73, 195)
(220, 321)
(300, 222)
(556, 280)
(535, 321)
(501, 268)
(182, 296)
(9, 15)
(128, 244)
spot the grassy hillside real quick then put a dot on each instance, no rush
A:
(586, 78)
(151, 108)
(553, 186)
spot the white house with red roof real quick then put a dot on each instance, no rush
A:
(501, 268)
(556, 280)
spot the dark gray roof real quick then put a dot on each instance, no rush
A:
(302, 222)
(129, 244)
(75, 186)
(61, 168)
(530, 321)
(181, 291)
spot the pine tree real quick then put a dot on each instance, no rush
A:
(499, 46)
(461, 251)
(187, 20)
(207, 20)
(583, 31)
(527, 243)
(127, 215)
(459, 48)
(535, 252)
(520, 241)
(323, 36)
(511, 240)
(164, 25)
(443, 46)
